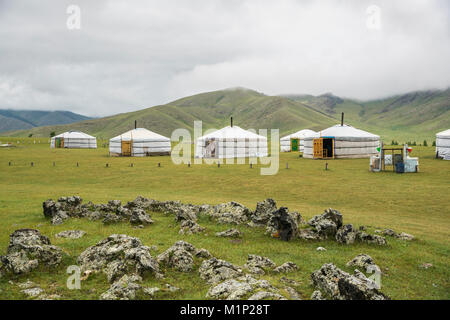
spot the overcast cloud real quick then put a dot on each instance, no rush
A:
(135, 54)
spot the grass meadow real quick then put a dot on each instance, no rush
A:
(414, 203)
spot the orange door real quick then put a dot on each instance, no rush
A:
(126, 148)
(318, 148)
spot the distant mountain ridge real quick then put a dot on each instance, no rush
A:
(25, 119)
(413, 116)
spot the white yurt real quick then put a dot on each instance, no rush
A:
(139, 142)
(231, 142)
(443, 144)
(286, 141)
(74, 140)
(341, 141)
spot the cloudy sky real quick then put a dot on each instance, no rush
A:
(130, 55)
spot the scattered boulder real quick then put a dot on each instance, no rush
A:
(286, 267)
(264, 210)
(293, 294)
(290, 282)
(151, 291)
(346, 234)
(27, 250)
(179, 256)
(124, 288)
(215, 270)
(365, 262)
(266, 295)
(172, 288)
(309, 234)
(70, 234)
(282, 225)
(183, 214)
(33, 292)
(327, 223)
(321, 249)
(230, 213)
(230, 233)
(112, 218)
(339, 285)
(258, 264)
(370, 239)
(317, 295)
(405, 236)
(140, 217)
(190, 227)
(203, 254)
(118, 255)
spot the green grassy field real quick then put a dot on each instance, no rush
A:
(414, 203)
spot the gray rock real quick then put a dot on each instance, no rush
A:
(151, 291)
(230, 233)
(290, 282)
(184, 214)
(258, 264)
(364, 262)
(327, 223)
(346, 234)
(389, 232)
(405, 236)
(179, 256)
(190, 227)
(33, 292)
(370, 239)
(263, 212)
(125, 288)
(116, 255)
(230, 213)
(111, 218)
(321, 249)
(293, 294)
(286, 267)
(266, 295)
(203, 254)
(215, 270)
(282, 225)
(308, 234)
(70, 234)
(317, 295)
(140, 217)
(172, 288)
(340, 285)
(27, 250)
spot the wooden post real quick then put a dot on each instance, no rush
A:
(159, 164)
(77, 165)
(218, 164)
(53, 163)
(189, 164)
(251, 165)
(9, 163)
(107, 165)
(131, 165)
(326, 166)
(32, 164)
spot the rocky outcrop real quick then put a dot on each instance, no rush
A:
(118, 255)
(283, 224)
(125, 288)
(339, 285)
(346, 234)
(190, 227)
(258, 264)
(140, 217)
(179, 256)
(264, 210)
(215, 270)
(71, 234)
(327, 223)
(230, 233)
(401, 236)
(28, 249)
(230, 213)
(286, 267)
(364, 262)
(362, 236)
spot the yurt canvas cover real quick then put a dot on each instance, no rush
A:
(74, 140)
(285, 142)
(443, 143)
(343, 141)
(139, 142)
(231, 142)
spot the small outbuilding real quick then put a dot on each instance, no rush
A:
(73, 140)
(295, 141)
(231, 142)
(341, 141)
(443, 144)
(139, 142)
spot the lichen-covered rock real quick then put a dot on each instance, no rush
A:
(263, 212)
(230, 212)
(27, 250)
(70, 234)
(203, 254)
(346, 234)
(179, 256)
(308, 234)
(282, 225)
(317, 295)
(33, 292)
(140, 217)
(215, 270)
(286, 267)
(183, 214)
(370, 239)
(230, 233)
(327, 223)
(190, 227)
(266, 295)
(62, 209)
(365, 262)
(340, 285)
(117, 255)
(389, 232)
(124, 288)
(405, 236)
(258, 264)
(111, 218)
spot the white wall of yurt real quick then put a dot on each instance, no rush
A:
(75, 140)
(285, 142)
(231, 142)
(143, 143)
(349, 142)
(443, 144)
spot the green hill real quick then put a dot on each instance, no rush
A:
(249, 109)
(26, 119)
(413, 116)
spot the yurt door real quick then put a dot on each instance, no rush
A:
(59, 142)
(126, 148)
(295, 144)
(318, 148)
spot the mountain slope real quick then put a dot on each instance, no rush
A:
(25, 119)
(414, 116)
(249, 109)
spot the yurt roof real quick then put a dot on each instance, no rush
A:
(442, 134)
(299, 134)
(140, 134)
(74, 135)
(345, 131)
(233, 132)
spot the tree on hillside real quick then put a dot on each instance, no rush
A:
(52, 134)
(425, 144)
(30, 135)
